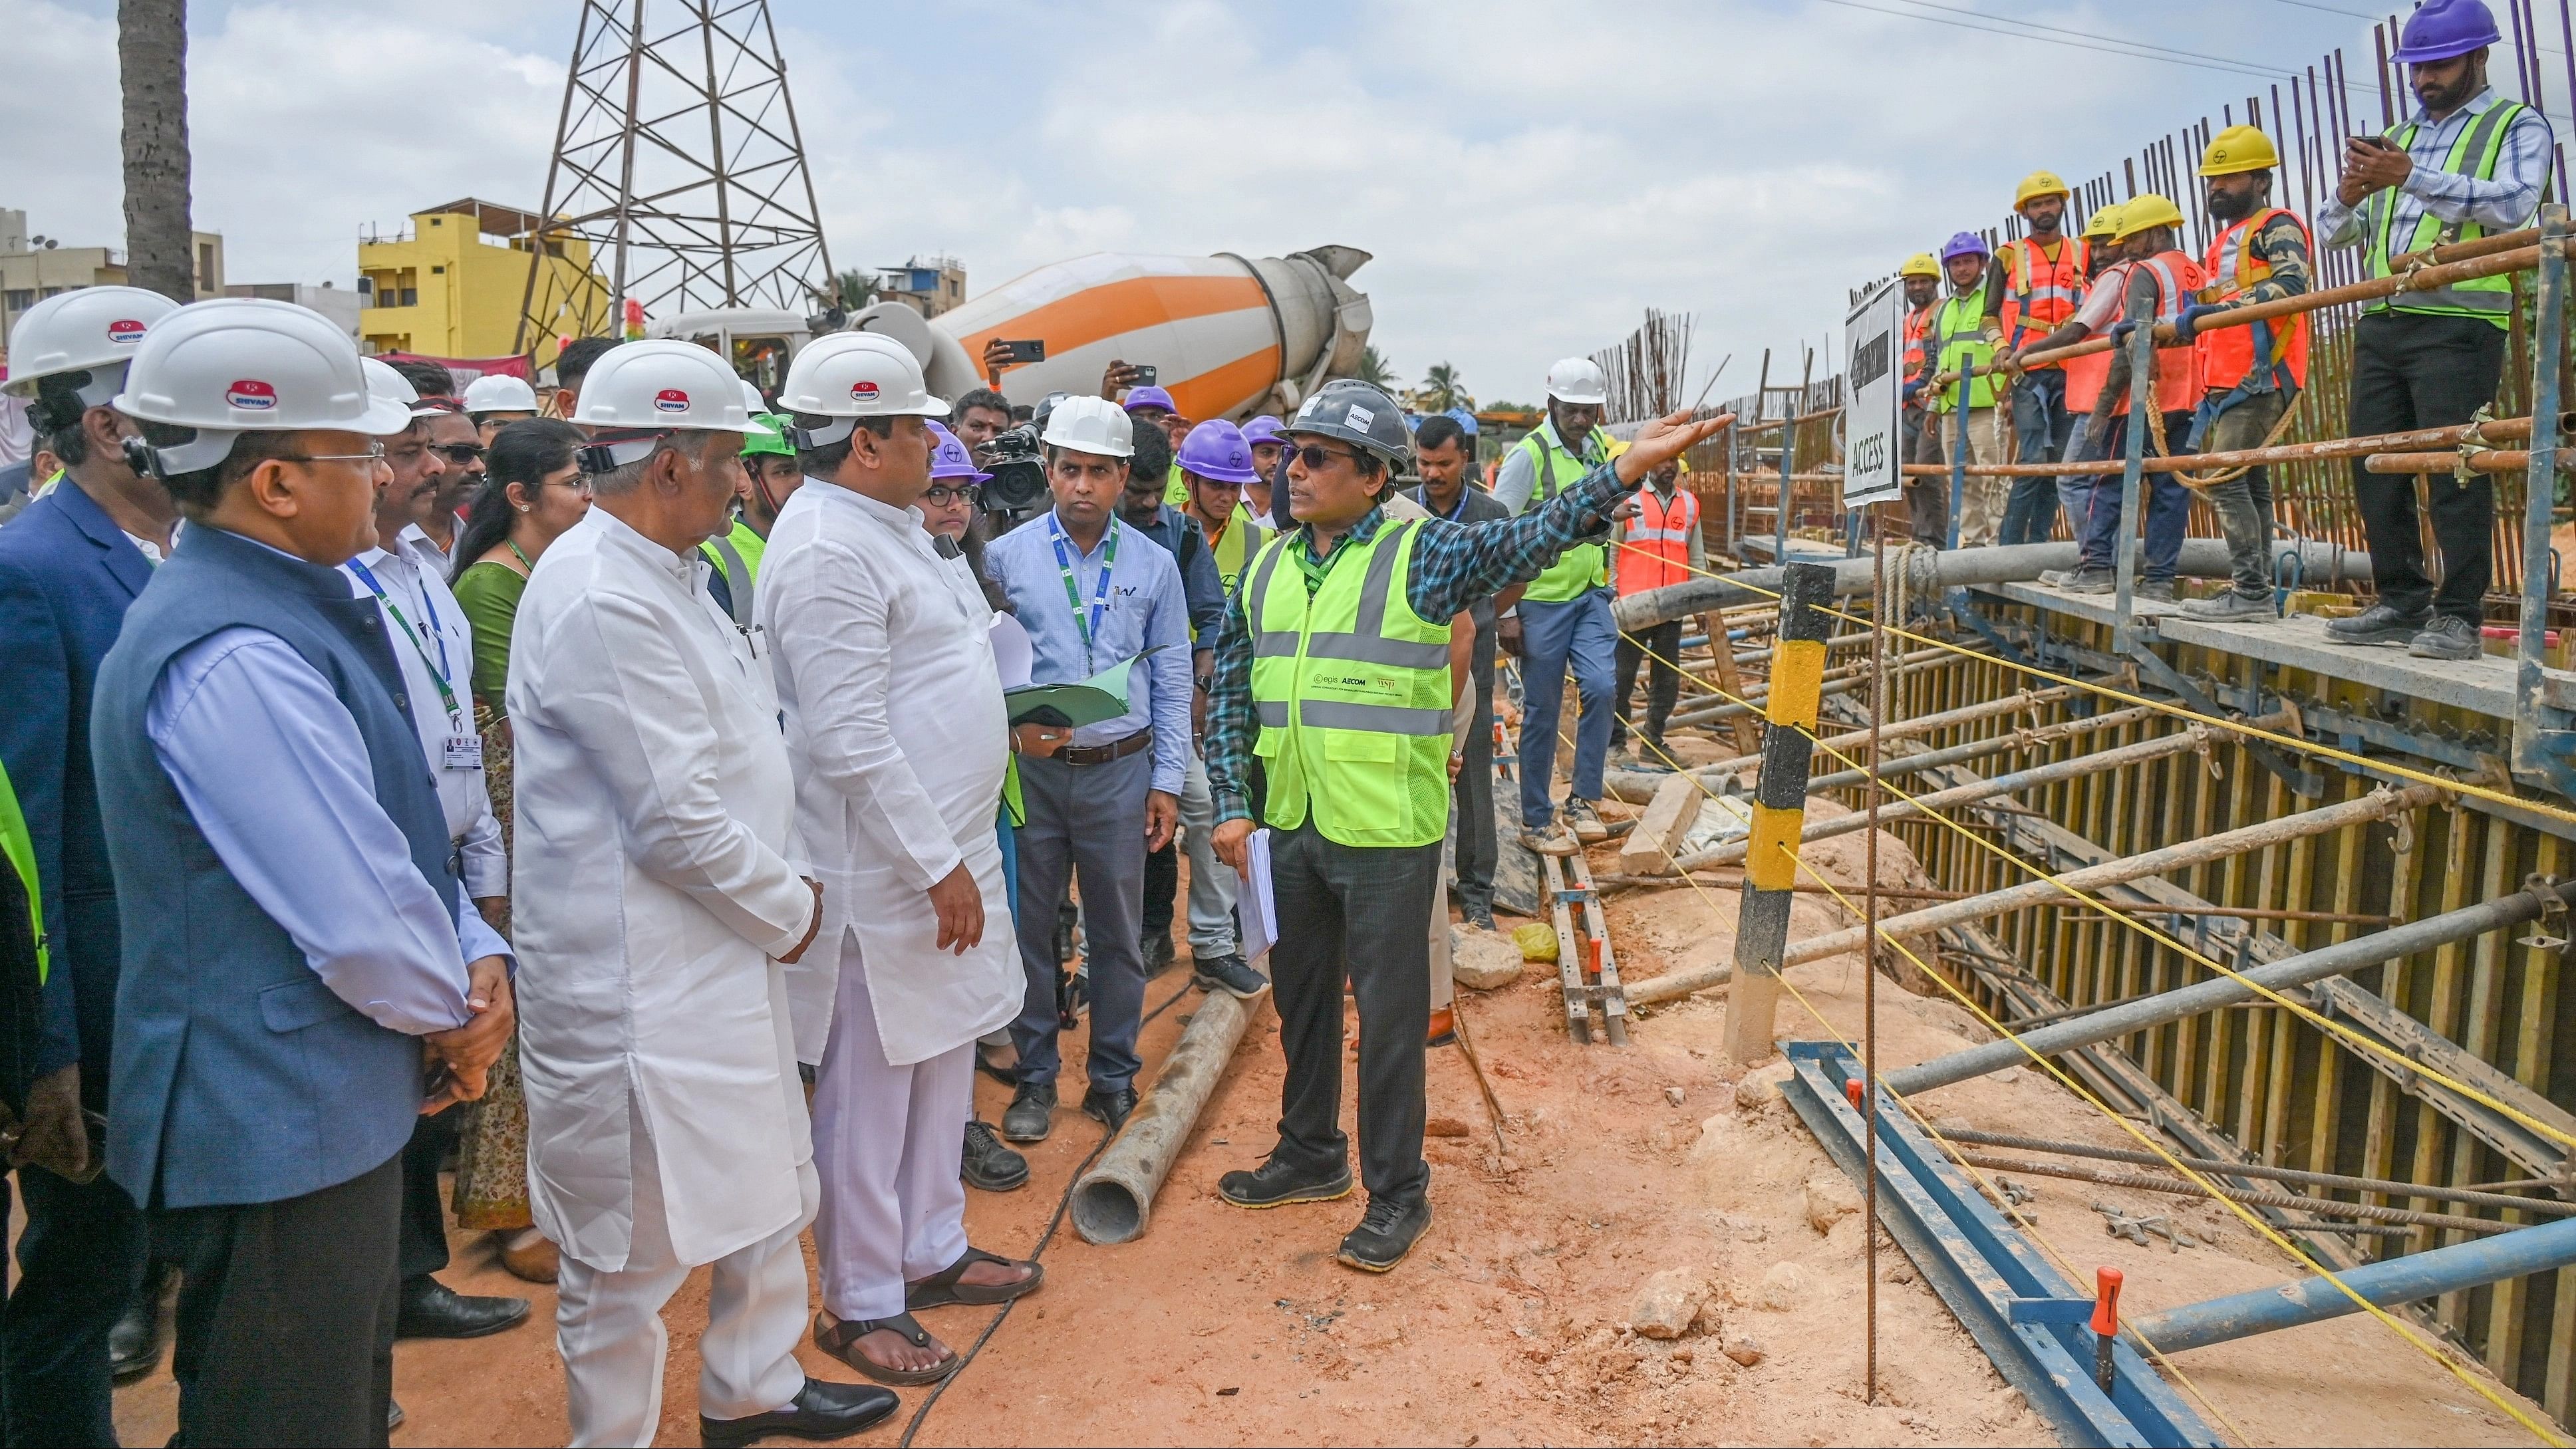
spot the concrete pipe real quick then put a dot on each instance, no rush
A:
(1114, 1201)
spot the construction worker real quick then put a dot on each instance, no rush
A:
(1216, 465)
(769, 475)
(1924, 498)
(495, 400)
(2467, 163)
(2159, 282)
(1563, 619)
(2252, 374)
(2041, 282)
(1349, 715)
(1964, 338)
(1659, 547)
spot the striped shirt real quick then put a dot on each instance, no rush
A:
(2508, 201)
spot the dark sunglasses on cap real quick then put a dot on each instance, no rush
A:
(459, 453)
(1315, 455)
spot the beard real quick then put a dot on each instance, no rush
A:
(2231, 206)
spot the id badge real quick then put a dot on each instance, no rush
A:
(465, 752)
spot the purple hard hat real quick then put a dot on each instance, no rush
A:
(2442, 29)
(1215, 450)
(1149, 397)
(1969, 244)
(1265, 429)
(949, 458)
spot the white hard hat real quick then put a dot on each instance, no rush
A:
(752, 401)
(87, 329)
(1091, 425)
(499, 392)
(237, 365)
(386, 385)
(853, 375)
(663, 383)
(1577, 380)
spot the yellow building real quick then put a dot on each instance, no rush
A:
(452, 282)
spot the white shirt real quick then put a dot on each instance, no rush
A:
(433, 643)
(655, 812)
(882, 652)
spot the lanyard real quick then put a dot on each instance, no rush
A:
(1454, 509)
(1073, 592)
(437, 675)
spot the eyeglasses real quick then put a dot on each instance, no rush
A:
(1315, 456)
(375, 454)
(459, 453)
(941, 495)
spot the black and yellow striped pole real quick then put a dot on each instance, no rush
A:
(1779, 809)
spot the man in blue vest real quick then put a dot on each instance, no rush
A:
(69, 567)
(306, 976)
(2468, 163)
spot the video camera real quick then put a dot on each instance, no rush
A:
(1018, 484)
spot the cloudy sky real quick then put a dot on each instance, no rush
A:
(1529, 176)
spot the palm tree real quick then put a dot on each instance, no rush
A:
(1373, 369)
(857, 289)
(152, 68)
(1440, 389)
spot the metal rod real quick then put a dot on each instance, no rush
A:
(2540, 484)
(2145, 1182)
(1869, 977)
(2142, 396)
(2489, 460)
(1921, 724)
(2141, 1013)
(2502, 430)
(2331, 1180)
(2427, 1274)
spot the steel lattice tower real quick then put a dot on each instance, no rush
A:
(678, 160)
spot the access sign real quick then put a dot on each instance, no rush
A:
(1873, 345)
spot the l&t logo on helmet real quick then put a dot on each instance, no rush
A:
(863, 391)
(252, 394)
(126, 330)
(671, 400)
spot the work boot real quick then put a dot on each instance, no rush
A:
(2232, 608)
(1277, 1183)
(1031, 1114)
(2378, 624)
(988, 1165)
(2159, 591)
(2447, 638)
(1585, 818)
(1551, 839)
(1230, 974)
(1480, 914)
(1158, 953)
(1387, 1231)
(2091, 581)
(1110, 1107)
(2055, 578)
(134, 1341)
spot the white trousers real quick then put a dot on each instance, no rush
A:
(608, 1325)
(887, 1144)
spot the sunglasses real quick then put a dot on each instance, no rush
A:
(1316, 456)
(459, 453)
(941, 494)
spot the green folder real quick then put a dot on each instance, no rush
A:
(1101, 697)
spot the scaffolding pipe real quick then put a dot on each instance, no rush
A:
(1637, 787)
(2454, 1269)
(1849, 676)
(1979, 749)
(2151, 1011)
(2498, 430)
(2332, 1181)
(2299, 1202)
(1114, 1201)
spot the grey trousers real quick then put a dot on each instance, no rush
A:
(1086, 823)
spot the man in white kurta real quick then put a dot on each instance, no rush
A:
(666, 1124)
(882, 653)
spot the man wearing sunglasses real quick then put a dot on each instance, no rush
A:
(450, 435)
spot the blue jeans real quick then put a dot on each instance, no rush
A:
(2041, 428)
(2168, 505)
(1576, 632)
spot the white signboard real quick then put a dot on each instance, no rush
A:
(1873, 349)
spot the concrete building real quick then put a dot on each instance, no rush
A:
(34, 267)
(335, 302)
(451, 282)
(929, 287)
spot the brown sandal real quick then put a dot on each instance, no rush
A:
(942, 1288)
(841, 1341)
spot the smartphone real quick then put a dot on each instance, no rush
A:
(1029, 350)
(2376, 143)
(1140, 374)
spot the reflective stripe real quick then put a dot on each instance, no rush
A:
(1373, 589)
(1381, 719)
(2497, 303)
(1271, 713)
(1259, 588)
(1372, 649)
(2473, 155)
(737, 578)
(1276, 644)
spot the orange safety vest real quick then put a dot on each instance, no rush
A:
(2177, 368)
(1918, 326)
(1658, 538)
(2041, 294)
(2227, 353)
(2085, 375)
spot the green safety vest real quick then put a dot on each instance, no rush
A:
(1241, 540)
(1586, 566)
(1175, 492)
(20, 848)
(737, 555)
(1351, 688)
(2473, 154)
(1011, 800)
(1958, 333)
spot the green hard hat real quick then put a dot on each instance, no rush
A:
(768, 435)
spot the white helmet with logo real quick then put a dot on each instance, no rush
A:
(89, 329)
(640, 392)
(1577, 380)
(238, 365)
(387, 385)
(1091, 425)
(499, 392)
(853, 375)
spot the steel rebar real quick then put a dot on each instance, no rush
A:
(2331, 1180)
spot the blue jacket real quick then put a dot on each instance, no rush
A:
(67, 575)
(240, 1077)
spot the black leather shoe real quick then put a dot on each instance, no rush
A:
(1275, 1183)
(2378, 624)
(988, 1165)
(822, 1410)
(1032, 1112)
(134, 1342)
(1109, 1107)
(431, 1309)
(1157, 951)
(1230, 974)
(1387, 1231)
(1480, 914)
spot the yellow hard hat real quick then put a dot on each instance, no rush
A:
(2145, 212)
(2104, 224)
(1920, 265)
(2040, 183)
(2239, 148)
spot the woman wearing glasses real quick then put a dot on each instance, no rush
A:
(532, 494)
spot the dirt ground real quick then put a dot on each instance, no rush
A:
(1508, 1325)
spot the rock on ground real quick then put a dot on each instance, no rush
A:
(1829, 1200)
(1668, 1304)
(1483, 959)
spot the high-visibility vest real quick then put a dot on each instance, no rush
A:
(1918, 327)
(1959, 343)
(1586, 566)
(2085, 375)
(2178, 367)
(18, 846)
(1658, 539)
(2473, 154)
(1351, 690)
(2232, 270)
(2041, 293)
(1241, 540)
(736, 554)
